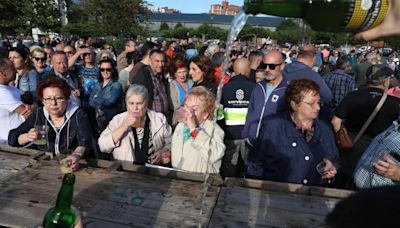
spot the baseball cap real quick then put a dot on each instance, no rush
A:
(379, 72)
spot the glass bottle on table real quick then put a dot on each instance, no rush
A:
(325, 15)
(63, 215)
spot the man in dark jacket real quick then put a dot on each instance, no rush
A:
(302, 68)
(266, 99)
(235, 100)
(153, 79)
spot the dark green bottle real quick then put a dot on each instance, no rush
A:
(325, 15)
(63, 215)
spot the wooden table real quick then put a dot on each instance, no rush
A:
(147, 197)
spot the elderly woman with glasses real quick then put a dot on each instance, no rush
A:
(293, 143)
(198, 142)
(138, 135)
(107, 95)
(64, 128)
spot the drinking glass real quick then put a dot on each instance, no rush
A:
(180, 114)
(321, 169)
(42, 137)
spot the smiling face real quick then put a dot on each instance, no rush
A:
(196, 73)
(157, 61)
(106, 70)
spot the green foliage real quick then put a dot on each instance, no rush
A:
(250, 32)
(164, 26)
(211, 32)
(23, 15)
(288, 24)
(106, 17)
(178, 25)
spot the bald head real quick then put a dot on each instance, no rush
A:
(241, 66)
(274, 55)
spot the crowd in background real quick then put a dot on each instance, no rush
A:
(154, 102)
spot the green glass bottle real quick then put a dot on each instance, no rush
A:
(63, 215)
(325, 15)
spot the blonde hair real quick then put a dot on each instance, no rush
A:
(205, 96)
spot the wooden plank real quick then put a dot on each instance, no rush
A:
(214, 179)
(288, 187)
(20, 151)
(11, 164)
(244, 207)
(146, 200)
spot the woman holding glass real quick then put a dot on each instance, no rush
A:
(138, 135)
(59, 126)
(198, 142)
(107, 94)
(293, 143)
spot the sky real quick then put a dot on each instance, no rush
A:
(191, 6)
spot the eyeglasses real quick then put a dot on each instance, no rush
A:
(48, 100)
(313, 103)
(271, 66)
(43, 59)
(105, 69)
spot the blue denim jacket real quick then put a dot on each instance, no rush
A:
(282, 153)
(109, 98)
(28, 82)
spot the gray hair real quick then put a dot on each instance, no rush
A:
(137, 89)
(101, 52)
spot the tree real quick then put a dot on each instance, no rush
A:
(164, 26)
(23, 15)
(211, 32)
(106, 17)
(249, 32)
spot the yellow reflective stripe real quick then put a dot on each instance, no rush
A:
(358, 17)
(382, 13)
(235, 116)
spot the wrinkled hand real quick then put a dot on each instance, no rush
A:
(166, 157)
(156, 157)
(330, 170)
(76, 93)
(389, 26)
(387, 168)
(27, 110)
(85, 51)
(32, 135)
(129, 121)
(191, 120)
(74, 160)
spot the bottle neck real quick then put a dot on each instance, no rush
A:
(64, 198)
(274, 7)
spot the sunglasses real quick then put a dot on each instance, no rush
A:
(37, 59)
(271, 66)
(105, 69)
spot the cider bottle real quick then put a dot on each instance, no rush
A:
(63, 215)
(325, 15)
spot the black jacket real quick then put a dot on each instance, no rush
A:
(76, 131)
(235, 94)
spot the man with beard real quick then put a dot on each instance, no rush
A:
(153, 79)
(266, 99)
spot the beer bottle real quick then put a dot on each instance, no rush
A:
(325, 15)
(63, 215)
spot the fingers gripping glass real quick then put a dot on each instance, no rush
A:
(105, 69)
(271, 66)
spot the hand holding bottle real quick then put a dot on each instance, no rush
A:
(389, 26)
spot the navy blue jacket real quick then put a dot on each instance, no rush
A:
(298, 70)
(260, 107)
(282, 153)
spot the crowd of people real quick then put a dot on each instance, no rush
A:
(280, 108)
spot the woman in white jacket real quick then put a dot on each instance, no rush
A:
(198, 142)
(138, 135)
